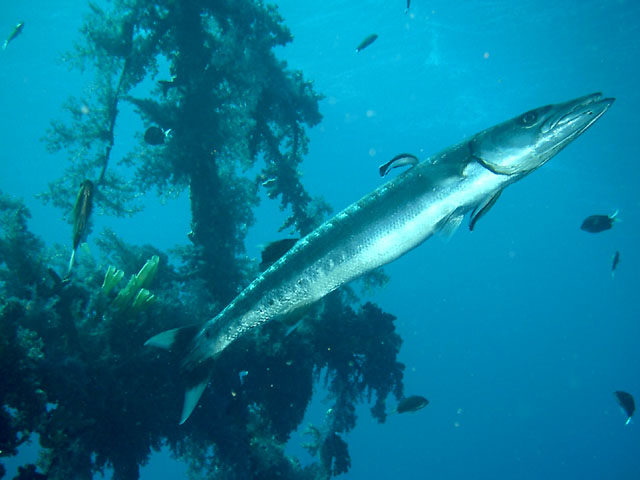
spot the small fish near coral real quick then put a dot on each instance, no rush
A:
(599, 223)
(81, 215)
(166, 85)
(156, 136)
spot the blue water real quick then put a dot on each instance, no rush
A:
(517, 333)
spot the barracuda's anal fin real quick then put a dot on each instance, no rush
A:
(450, 225)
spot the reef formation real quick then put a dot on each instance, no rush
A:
(76, 376)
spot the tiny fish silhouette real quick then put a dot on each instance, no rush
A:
(626, 402)
(366, 42)
(154, 136)
(616, 261)
(16, 31)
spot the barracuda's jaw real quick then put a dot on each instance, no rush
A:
(526, 142)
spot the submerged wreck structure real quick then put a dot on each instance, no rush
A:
(203, 76)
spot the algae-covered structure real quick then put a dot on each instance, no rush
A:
(76, 375)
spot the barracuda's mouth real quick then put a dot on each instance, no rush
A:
(574, 117)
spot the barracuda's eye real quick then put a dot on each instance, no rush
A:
(529, 118)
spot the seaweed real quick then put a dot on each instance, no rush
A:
(80, 377)
(20, 268)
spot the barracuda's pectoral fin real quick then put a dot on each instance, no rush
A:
(482, 208)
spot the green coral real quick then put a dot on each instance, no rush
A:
(111, 279)
(134, 294)
(144, 299)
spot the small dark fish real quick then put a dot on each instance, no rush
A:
(598, 223)
(274, 251)
(58, 283)
(626, 402)
(616, 261)
(408, 5)
(16, 31)
(366, 42)
(411, 404)
(28, 472)
(166, 85)
(398, 161)
(81, 214)
(155, 136)
(82, 211)
(269, 182)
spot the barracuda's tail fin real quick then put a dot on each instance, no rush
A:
(197, 380)
(176, 339)
(180, 340)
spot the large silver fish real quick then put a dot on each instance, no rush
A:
(433, 196)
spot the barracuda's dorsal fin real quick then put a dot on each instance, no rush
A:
(482, 208)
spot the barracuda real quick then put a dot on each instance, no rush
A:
(431, 197)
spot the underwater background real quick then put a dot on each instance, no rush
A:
(517, 332)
